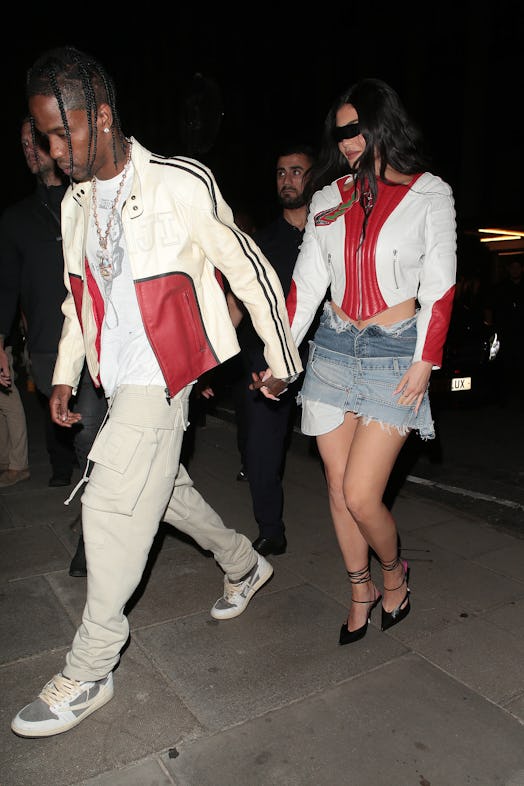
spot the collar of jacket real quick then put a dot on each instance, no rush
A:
(140, 157)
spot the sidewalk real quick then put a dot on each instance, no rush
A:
(270, 698)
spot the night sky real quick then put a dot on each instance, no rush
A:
(461, 76)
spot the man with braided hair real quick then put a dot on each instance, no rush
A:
(143, 237)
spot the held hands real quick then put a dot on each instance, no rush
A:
(206, 392)
(203, 386)
(414, 384)
(270, 386)
(59, 407)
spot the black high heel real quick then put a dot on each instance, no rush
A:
(390, 618)
(349, 636)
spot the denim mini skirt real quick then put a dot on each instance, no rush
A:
(351, 370)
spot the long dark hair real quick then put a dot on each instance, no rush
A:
(388, 131)
(77, 81)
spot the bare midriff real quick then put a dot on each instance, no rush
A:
(389, 316)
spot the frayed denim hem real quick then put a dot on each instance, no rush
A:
(388, 427)
(320, 418)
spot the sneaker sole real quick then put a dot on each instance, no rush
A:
(229, 614)
(103, 697)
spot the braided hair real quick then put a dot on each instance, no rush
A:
(77, 81)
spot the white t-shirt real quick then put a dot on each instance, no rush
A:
(126, 357)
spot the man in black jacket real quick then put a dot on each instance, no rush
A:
(32, 280)
(266, 425)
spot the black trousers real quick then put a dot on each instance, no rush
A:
(68, 447)
(266, 428)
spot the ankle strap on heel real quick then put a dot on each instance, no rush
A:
(393, 565)
(362, 576)
(359, 576)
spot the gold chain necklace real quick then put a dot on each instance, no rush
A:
(104, 255)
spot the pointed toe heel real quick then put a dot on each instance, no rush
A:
(349, 636)
(390, 618)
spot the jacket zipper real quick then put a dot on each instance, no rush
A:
(359, 279)
(395, 262)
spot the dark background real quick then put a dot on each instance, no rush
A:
(226, 90)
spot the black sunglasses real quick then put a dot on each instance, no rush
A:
(346, 132)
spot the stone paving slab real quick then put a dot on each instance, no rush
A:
(33, 620)
(147, 773)
(270, 697)
(30, 550)
(403, 723)
(284, 647)
(471, 539)
(471, 653)
(145, 715)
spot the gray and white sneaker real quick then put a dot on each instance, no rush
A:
(236, 596)
(62, 704)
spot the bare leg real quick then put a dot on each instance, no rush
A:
(373, 454)
(358, 460)
(334, 449)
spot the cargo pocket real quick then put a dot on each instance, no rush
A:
(122, 457)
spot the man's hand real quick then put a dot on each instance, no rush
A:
(59, 406)
(270, 386)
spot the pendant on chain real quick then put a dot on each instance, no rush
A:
(104, 262)
(103, 255)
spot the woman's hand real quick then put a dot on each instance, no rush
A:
(204, 387)
(414, 384)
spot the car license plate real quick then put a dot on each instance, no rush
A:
(460, 383)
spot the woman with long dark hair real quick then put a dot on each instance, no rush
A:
(381, 239)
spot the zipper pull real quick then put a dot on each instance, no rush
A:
(168, 397)
(395, 252)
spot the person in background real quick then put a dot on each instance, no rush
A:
(381, 237)
(32, 279)
(244, 218)
(265, 426)
(144, 235)
(14, 462)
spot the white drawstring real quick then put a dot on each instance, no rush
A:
(85, 476)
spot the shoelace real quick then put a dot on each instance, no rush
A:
(231, 589)
(59, 689)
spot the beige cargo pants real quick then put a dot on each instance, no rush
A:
(137, 482)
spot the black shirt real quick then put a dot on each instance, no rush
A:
(32, 267)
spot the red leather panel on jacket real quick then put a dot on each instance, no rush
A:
(362, 298)
(98, 306)
(174, 326)
(220, 278)
(438, 327)
(291, 302)
(76, 284)
(77, 288)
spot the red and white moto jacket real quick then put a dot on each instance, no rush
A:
(179, 232)
(409, 251)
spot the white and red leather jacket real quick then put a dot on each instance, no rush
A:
(180, 235)
(409, 251)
